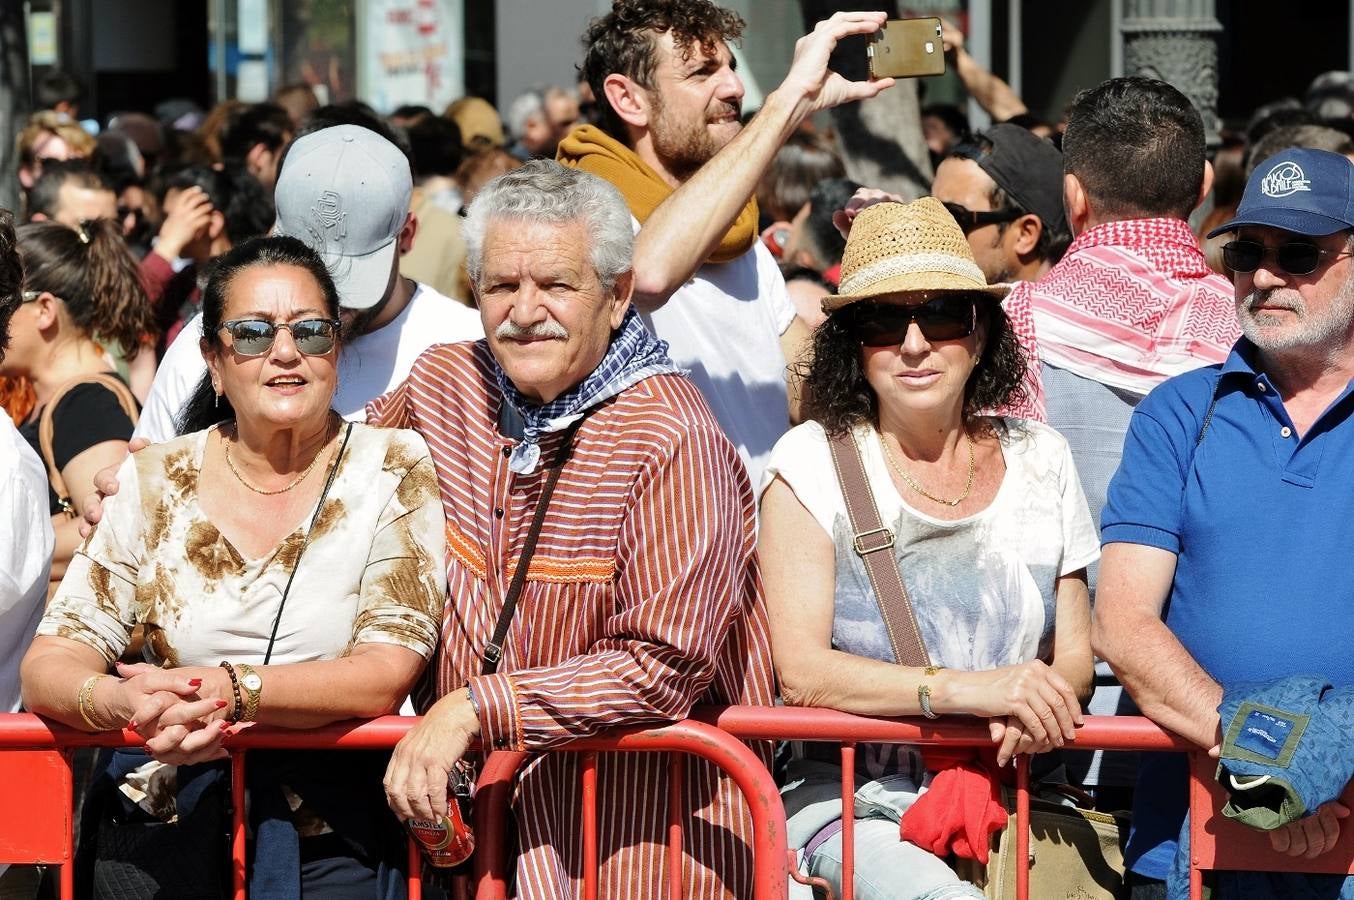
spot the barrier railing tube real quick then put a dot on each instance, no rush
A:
(35, 767)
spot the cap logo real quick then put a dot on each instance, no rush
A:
(328, 210)
(1284, 179)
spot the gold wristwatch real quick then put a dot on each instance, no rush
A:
(252, 685)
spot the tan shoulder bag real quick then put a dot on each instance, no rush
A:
(47, 426)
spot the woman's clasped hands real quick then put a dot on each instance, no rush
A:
(178, 712)
(1030, 708)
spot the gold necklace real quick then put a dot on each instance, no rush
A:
(294, 482)
(912, 482)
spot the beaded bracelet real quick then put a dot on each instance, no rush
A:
(84, 700)
(238, 709)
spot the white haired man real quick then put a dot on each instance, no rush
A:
(642, 596)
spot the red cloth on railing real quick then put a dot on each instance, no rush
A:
(960, 810)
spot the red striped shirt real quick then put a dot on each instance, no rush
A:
(643, 598)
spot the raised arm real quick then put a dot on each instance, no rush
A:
(992, 94)
(685, 228)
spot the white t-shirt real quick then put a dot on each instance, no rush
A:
(25, 554)
(371, 365)
(982, 587)
(724, 327)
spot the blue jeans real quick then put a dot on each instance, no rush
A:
(887, 868)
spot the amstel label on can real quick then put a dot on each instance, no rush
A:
(446, 842)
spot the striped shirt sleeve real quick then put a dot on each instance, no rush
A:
(393, 409)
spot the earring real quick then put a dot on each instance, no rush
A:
(216, 401)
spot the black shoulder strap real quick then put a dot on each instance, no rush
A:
(493, 651)
(1208, 420)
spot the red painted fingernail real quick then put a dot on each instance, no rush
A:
(225, 726)
(220, 704)
(195, 682)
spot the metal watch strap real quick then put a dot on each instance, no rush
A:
(874, 544)
(493, 651)
(252, 695)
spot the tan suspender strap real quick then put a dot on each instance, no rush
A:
(874, 545)
(47, 427)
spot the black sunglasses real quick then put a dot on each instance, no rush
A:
(948, 317)
(1295, 257)
(254, 337)
(970, 220)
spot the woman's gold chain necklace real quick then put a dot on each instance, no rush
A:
(913, 483)
(282, 490)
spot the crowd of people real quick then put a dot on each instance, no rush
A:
(641, 403)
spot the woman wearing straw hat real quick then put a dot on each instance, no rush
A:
(985, 520)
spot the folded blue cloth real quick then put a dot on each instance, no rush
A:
(1285, 749)
(1285, 752)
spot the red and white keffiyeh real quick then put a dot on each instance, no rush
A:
(1018, 312)
(1131, 304)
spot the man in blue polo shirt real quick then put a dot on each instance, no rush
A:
(1232, 512)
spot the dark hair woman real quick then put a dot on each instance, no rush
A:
(987, 525)
(81, 294)
(304, 552)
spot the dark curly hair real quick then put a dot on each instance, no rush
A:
(839, 397)
(11, 277)
(622, 42)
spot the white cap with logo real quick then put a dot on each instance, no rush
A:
(345, 192)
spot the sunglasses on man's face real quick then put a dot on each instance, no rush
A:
(945, 318)
(972, 220)
(254, 337)
(1295, 257)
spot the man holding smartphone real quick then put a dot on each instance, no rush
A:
(672, 142)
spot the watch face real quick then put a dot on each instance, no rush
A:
(252, 681)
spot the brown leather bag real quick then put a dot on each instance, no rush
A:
(47, 426)
(46, 436)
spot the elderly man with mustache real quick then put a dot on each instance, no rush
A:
(1233, 512)
(671, 139)
(600, 534)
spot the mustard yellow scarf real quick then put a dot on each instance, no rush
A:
(591, 149)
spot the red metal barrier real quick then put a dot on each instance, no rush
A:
(33, 829)
(1216, 842)
(691, 737)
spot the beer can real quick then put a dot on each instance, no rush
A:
(446, 841)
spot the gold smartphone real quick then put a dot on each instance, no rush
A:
(907, 48)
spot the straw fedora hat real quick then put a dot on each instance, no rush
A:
(908, 248)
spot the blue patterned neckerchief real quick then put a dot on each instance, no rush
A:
(634, 354)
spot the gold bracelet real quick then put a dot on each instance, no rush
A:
(85, 701)
(924, 694)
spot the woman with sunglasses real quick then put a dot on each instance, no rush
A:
(985, 520)
(81, 294)
(287, 569)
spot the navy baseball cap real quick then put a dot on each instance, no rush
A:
(1309, 192)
